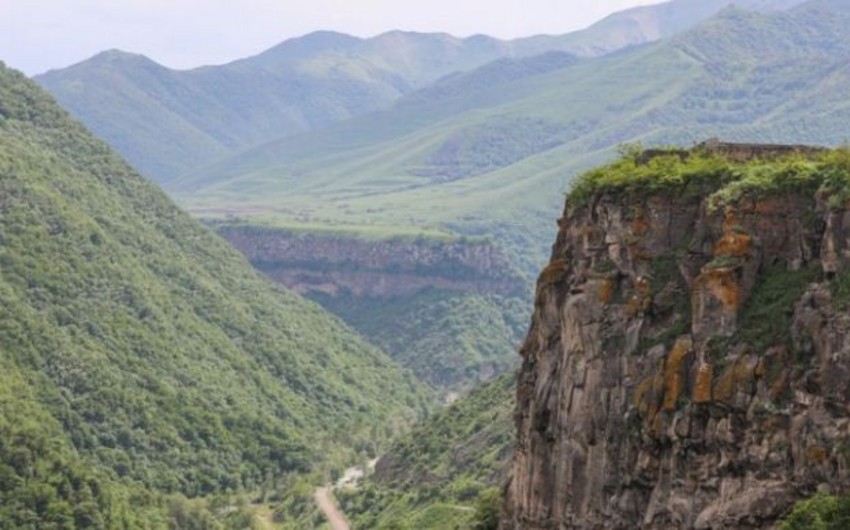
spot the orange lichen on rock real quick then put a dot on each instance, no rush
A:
(741, 372)
(733, 244)
(554, 272)
(724, 387)
(779, 387)
(722, 283)
(702, 386)
(640, 300)
(606, 290)
(648, 399)
(769, 206)
(674, 378)
(734, 241)
(817, 454)
(640, 224)
(642, 394)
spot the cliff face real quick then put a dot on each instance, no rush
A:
(332, 264)
(687, 366)
(452, 311)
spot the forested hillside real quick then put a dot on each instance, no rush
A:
(147, 353)
(446, 469)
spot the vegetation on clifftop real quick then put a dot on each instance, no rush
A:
(724, 179)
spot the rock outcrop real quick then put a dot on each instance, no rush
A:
(331, 264)
(688, 362)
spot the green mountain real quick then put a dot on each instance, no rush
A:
(643, 24)
(436, 475)
(167, 122)
(452, 340)
(494, 155)
(138, 349)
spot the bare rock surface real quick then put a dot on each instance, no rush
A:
(648, 400)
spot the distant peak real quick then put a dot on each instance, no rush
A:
(324, 35)
(309, 45)
(115, 54)
(114, 57)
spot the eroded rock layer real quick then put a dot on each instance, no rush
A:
(688, 364)
(333, 264)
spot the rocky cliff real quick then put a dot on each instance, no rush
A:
(688, 362)
(332, 263)
(451, 310)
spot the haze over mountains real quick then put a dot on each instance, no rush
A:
(490, 151)
(174, 121)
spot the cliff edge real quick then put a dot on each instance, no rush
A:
(688, 361)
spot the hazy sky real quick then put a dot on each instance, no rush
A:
(37, 35)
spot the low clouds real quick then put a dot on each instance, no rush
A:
(37, 35)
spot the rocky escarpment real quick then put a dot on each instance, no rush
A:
(688, 363)
(452, 311)
(331, 264)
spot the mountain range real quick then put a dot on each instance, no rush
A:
(489, 152)
(167, 122)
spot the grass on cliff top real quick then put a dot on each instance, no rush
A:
(722, 179)
(369, 232)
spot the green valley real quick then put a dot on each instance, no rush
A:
(446, 471)
(157, 359)
(365, 220)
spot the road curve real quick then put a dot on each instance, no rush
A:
(328, 507)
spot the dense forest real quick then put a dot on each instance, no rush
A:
(156, 360)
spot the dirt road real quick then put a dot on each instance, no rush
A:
(326, 504)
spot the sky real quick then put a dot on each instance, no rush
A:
(38, 35)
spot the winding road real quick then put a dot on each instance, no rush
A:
(328, 507)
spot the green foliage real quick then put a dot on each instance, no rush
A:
(765, 319)
(444, 471)
(725, 180)
(819, 512)
(487, 510)
(43, 482)
(663, 173)
(164, 357)
(489, 146)
(452, 340)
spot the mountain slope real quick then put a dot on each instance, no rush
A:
(494, 159)
(642, 24)
(433, 476)
(167, 122)
(43, 481)
(163, 356)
